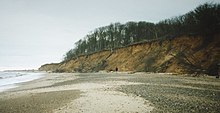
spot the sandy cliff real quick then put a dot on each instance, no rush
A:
(185, 54)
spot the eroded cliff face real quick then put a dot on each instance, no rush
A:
(183, 54)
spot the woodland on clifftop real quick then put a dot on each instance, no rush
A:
(203, 20)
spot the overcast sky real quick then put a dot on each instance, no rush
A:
(35, 32)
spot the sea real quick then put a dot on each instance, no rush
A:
(10, 80)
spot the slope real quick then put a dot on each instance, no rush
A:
(184, 54)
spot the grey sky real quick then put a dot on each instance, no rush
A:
(35, 32)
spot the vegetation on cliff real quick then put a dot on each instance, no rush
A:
(184, 44)
(204, 20)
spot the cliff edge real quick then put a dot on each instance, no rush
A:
(184, 54)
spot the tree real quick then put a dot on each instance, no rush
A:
(204, 20)
(207, 18)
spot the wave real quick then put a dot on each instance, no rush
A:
(11, 79)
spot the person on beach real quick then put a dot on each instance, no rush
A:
(218, 73)
(116, 69)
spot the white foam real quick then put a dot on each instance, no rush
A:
(8, 83)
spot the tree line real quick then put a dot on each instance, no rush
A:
(204, 20)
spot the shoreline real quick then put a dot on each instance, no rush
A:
(15, 79)
(33, 96)
(117, 92)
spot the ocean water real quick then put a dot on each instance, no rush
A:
(10, 80)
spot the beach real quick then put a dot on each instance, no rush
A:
(10, 79)
(113, 93)
(34, 96)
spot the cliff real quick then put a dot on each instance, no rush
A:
(184, 54)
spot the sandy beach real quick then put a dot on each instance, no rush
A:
(113, 93)
(34, 97)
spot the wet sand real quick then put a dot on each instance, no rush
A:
(113, 93)
(33, 96)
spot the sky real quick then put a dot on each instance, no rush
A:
(35, 32)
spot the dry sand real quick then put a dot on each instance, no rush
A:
(68, 93)
(102, 98)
